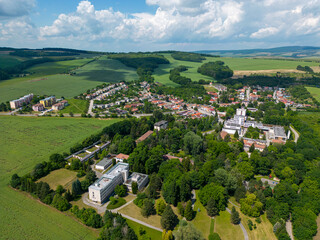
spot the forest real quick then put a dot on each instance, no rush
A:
(188, 56)
(217, 70)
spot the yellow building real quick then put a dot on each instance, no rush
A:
(49, 101)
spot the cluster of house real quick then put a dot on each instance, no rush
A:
(240, 124)
(49, 102)
(107, 91)
(17, 103)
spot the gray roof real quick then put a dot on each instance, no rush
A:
(279, 132)
(104, 162)
(163, 122)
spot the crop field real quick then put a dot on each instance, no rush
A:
(51, 68)
(61, 177)
(9, 61)
(315, 92)
(161, 74)
(91, 75)
(76, 106)
(26, 141)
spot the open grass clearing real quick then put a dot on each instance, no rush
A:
(315, 92)
(61, 177)
(201, 221)
(26, 142)
(133, 211)
(264, 230)
(210, 88)
(226, 229)
(76, 106)
(149, 232)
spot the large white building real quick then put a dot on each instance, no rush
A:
(141, 180)
(104, 186)
(14, 104)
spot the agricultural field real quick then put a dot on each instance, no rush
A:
(68, 86)
(9, 61)
(26, 141)
(161, 74)
(61, 177)
(51, 68)
(76, 106)
(315, 92)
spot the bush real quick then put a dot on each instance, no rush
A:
(116, 202)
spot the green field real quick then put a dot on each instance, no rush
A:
(226, 229)
(202, 221)
(312, 119)
(87, 77)
(315, 92)
(9, 61)
(161, 74)
(153, 234)
(61, 177)
(26, 141)
(76, 106)
(51, 68)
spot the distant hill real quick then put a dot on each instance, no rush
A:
(282, 52)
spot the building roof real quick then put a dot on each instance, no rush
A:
(136, 177)
(144, 136)
(279, 132)
(223, 134)
(122, 156)
(159, 124)
(104, 162)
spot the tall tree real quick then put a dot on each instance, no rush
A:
(188, 212)
(76, 188)
(235, 219)
(211, 207)
(168, 219)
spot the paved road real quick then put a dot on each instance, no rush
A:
(245, 233)
(90, 107)
(289, 228)
(296, 134)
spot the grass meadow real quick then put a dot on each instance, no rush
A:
(161, 74)
(315, 92)
(153, 234)
(26, 141)
(61, 177)
(76, 106)
(89, 76)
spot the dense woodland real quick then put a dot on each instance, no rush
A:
(188, 56)
(217, 70)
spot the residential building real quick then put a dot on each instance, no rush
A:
(58, 106)
(38, 107)
(49, 101)
(103, 164)
(121, 157)
(14, 104)
(104, 186)
(139, 178)
(161, 125)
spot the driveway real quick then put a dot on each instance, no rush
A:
(296, 134)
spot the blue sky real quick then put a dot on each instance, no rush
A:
(148, 25)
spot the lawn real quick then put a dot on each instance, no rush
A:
(62, 177)
(161, 74)
(153, 234)
(118, 203)
(26, 141)
(76, 106)
(315, 92)
(264, 230)
(202, 221)
(312, 119)
(225, 229)
(133, 211)
(87, 77)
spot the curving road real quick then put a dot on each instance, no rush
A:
(245, 233)
(296, 134)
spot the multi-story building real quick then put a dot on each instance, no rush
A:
(19, 102)
(161, 125)
(104, 186)
(49, 101)
(139, 178)
(38, 107)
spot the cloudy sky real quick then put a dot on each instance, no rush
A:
(143, 25)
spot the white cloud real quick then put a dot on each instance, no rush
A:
(265, 32)
(15, 8)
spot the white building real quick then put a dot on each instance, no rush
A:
(161, 125)
(103, 164)
(104, 186)
(139, 178)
